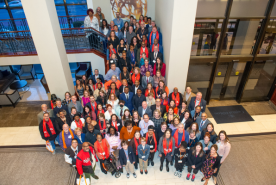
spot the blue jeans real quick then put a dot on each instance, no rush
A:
(57, 139)
(53, 145)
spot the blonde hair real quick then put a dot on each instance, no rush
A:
(77, 129)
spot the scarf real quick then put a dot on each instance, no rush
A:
(102, 149)
(112, 91)
(157, 37)
(164, 102)
(111, 52)
(152, 48)
(136, 144)
(166, 151)
(102, 111)
(116, 126)
(146, 42)
(63, 139)
(151, 91)
(93, 107)
(51, 127)
(79, 123)
(176, 138)
(146, 51)
(155, 143)
(137, 77)
(176, 99)
(100, 125)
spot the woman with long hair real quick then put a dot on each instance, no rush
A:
(102, 149)
(166, 149)
(121, 47)
(113, 39)
(157, 119)
(173, 105)
(85, 99)
(159, 66)
(211, 164)
(186, 120)
(182, 109)
(174, 124)
(126, 117)
(134, 42)
(104, 28)
(136, 118)
(161, 88)
(136, 75)
(194, 127)
(113, 101)
(124, 30)
(134, 143)
(87, 112)
(164, 98)
(113, 89)
(91, 86)
(223, 150)
(209, 128)
(101, 99)
(67, 98)
(101, 124)
(100, 109)
(125, 75)
(169, 116)
(149, 90)
(79, 88)
(196, 158)
(115, 122)
(157, 78)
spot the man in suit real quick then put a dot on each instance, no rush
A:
(154, 34)
(176, 96)
(154, 55)
(75, 104)
(119, 111)
(195, 101)
(127, 98)
(124, 85)
(158, 106)
(137, 86)
(155, 43)
(97, 75)
(144, 109)
(188, 94)
(44, 109)
(147, 79)
(202, 121)
(138, 99)
(59, 107)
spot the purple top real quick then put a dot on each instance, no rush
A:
(144, 70)
(85, 100)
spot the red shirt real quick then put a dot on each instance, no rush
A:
(83, 159)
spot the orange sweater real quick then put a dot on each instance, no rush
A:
(125, 135)
(97, 150)
(107, 84)
(166, 89)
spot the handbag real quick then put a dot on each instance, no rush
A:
(49, 146)
(83, 181)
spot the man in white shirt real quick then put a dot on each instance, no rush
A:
(144, 124)
(72, 152)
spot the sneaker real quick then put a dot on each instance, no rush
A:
(188, 176)
(175, 173)
(54, 152)
(95, 176)
(152, 163)
(193, 178)
(127, 175)
(146, 172)
(141, 171)
(179, 174)
(134, 175)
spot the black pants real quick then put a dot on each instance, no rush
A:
(216, 174)
(151, 157)
(136, 161)
(179, 166)
(93, 40)
(101, 164)
(162, 159)
(194, 170)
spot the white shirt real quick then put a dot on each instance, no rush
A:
(136, 89)
(94, 23)
(74, 125)
(107, 115)
(127, 95)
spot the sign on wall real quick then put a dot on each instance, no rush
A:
(128, 8)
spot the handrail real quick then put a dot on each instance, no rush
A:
(58, 16)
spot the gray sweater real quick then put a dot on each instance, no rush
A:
(160, 146)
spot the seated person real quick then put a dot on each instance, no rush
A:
(146, 80)
(146, 67)
(159, 66)
(97, 75)
(113, 79)
(65, 137)
(154, 55)
(72, 152)
(86, 161)
(114, 71)
(154, 34)
(141, 50)
(159, 47)
(127, 131)
(44, 109)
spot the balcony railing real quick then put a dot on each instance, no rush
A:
(21, 24)
(75, 40)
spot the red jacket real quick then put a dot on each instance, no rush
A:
(163, 70)
(83, 159)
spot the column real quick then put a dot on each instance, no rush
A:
(44, 26)
(177, 27)
(90, 5)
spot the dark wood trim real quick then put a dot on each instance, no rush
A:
(251, 134)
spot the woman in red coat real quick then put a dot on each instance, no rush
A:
(159, 65)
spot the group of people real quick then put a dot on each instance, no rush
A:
(130, 114)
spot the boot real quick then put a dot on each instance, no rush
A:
(161, 166)
(167, 166)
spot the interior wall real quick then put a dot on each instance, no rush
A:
(106, 8)
(96, 61)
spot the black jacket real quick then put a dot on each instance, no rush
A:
(52, 136)
(119, 124)
(140, 87)
(180, 98)
(117, 93)
(91, 137)
(197, 161)
(101, 100)
(163, 109)
(188, 122)
(122, 156)
(71, 153)
(137, 101)
(56, 109)
(122, 88)
(123, 63)
(213, 138)
(151, 57)
(59, 123)
(158, 134)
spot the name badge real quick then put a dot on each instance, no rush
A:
(128, 139)
(101, 20)
(118, 124)
(119, 26)
(70, 136)
(143, 157)
(75, 157)
(124, 48)
(201, 107)
(151, 146)
(179, 161)
(188, 148)
(103, 153)
(153, 61)
(111, 61)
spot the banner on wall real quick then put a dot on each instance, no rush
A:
(128, 8)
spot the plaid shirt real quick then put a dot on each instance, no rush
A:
(157, 122)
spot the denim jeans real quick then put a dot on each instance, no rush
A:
(57, 139)
(53, 144)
